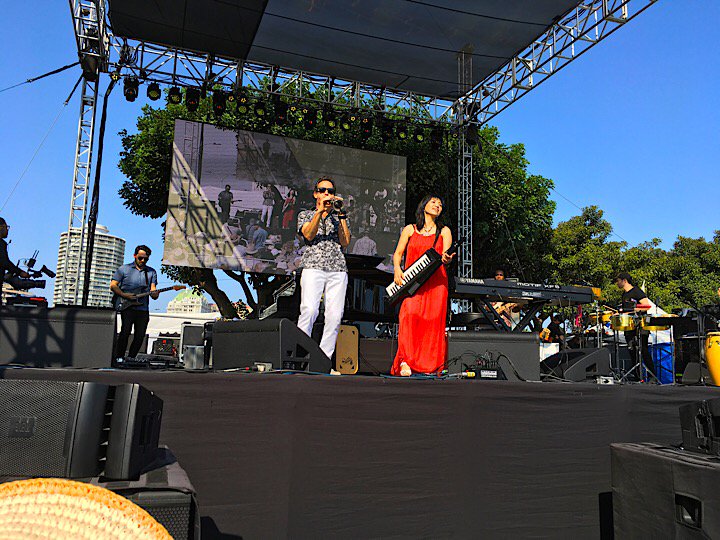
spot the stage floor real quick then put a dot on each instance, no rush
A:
(307, 456)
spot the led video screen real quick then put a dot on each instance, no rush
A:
(235, 197)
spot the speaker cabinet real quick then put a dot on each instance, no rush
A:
(239, 344)
(577, 365)
(134, 431)
(51, 428)
(76, 429)
(516, 353)
(174, 510)
(62, 336)
(661, 492)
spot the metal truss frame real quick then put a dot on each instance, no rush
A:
(573, 35)
(101, 52)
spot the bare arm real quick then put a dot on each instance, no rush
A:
(115, 287)
(344, 233)
(447, 242)
(399, 252)
(310, 229)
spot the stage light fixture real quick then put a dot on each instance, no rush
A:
(260, 110)
(345, 123)
(174, 95)
(230, 97)
(366, 126)
(115, 76)
(471, 135)
(153, 91)
(309, 117)
(387, 129)
(419, 134)
(281, 112)
(130, 88)
(192, 99)
(330, 118)
(436, 137)
(219, 99)
(402, 131)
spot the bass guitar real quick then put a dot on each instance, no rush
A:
(121, 304)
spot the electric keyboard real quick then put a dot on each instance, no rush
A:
(415, 275)
(495, 290)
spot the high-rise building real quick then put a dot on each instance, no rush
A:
(188, 302)
(108, 255)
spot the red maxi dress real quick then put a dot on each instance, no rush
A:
(421, 338)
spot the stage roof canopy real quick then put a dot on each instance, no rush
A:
(405, 44)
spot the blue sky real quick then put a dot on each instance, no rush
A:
(631, 127)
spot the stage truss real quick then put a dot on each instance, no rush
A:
(100, 51)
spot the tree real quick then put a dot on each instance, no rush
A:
(512, 210)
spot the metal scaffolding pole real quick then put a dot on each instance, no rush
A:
(75, 244)
(464, 174)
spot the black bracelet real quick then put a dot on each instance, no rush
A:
(342, 216)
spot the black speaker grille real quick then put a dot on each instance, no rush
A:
(33, 422)
(172, 509)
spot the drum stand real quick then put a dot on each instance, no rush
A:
(637, 341)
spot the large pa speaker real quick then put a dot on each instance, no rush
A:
(76, 429)
(577, 365)
(662, 492)
(175, 510)
(239, 344)
(62, 336)
(517, 354)
(52, 428)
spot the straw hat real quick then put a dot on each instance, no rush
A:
(65, 509)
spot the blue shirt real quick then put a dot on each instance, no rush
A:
(132, 280)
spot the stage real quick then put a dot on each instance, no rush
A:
(302, 456)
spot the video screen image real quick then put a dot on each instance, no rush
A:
(235, 197)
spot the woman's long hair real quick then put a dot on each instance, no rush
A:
(420, 213)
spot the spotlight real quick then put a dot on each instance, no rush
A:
(260, 109)
(330, 118)
(309, 117)
(387, 129)
(192, 99)
(294, 107)
(243, 102)
(130, 88)
(436, 137)
(174, 95)
(115, 76)
(419, 134)
(153, 91)
(366, 126)
(402, 131)
(231, 97)
(281, 112)
(471, 134)
(345, 123)
(219, 99)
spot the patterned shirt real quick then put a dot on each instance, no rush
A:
(324, 251)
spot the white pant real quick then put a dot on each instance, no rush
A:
(266, 215)
(313, 283)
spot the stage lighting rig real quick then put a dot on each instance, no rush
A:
(219, 100)
(192, 99)
(330, 118)
(130, 88)
(174, 95)
(281, 112)
(309, 117)
(366, 127)
(259, 109)
(115, 76)
(419, 134)
(153, 91)
(348, 119)
(387, 128)
(402, 131)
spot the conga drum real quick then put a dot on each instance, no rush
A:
(712, 356)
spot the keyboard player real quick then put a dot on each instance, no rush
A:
(423, 316)
(505, 309)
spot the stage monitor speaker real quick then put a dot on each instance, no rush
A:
(76, 429)
(190, 334)
(134, 431)
(62, 336)
(700, 425)
(240, 344)
(51, 428)
(687, 351)
(517, 354)
(347, 350)
(577, 365)
(662, 492)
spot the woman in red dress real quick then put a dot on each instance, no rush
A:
(421, 339)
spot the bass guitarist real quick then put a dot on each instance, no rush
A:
(128, 281)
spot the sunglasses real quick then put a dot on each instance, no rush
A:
(499, 275)
(329, 190)
(143, 258)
